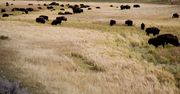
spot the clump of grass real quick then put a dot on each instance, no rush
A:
(86, 64)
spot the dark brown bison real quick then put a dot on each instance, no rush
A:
(40, 20)
(136, 6)
(5, 15)
(129, 22)
(76, 9)
(39, 7)
(30, 4)
(125, 7)
(54, 4)
(163, 40)
(44, 4)
(62, 18)
(45, 17)
(62, 5)
(98, 7)
(30, 9)
(169, 39)
(142, 26)
(50, 7)
(24, 10)
(175, 15)
(84, 6)
(152, 30)
(3, 10)
(156, 42)
(7, 4)
(111, 6)
(2, 37)
(112, 22)
(56, 22)
(89, 8)
(67, 13)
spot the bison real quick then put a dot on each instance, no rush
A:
(112, 22)
(62, 18)
(136, 6)
(77, 9)
(125, 7)
(129, 22)
(29, 9)
(3, 10)
(98, 7)
(7, 4)
(56, 22)
(2, 37)
(111, 6)
(40, 20)
(156, 42)
(54, 4)
(163, 40)
(169, 39)
(152, 30)
(50, 7)
(175, 15)
(5, 15)
(142, 26)
(89, 8)
(45, 17)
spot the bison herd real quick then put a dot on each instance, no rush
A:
(162, 39)
(158, 40)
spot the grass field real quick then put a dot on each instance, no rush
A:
(85, 55)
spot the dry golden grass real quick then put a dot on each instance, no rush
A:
(86, 56)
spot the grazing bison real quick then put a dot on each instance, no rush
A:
(67, 13)
(30, 4)
(84, 6)
(111, 6)
(112, 22)
(62, 18)
(39, 7)
(62, 5)
(5, 15)
(175, 15)
(2, 37)
(44, 4)
(54, 4)
(142, 26)
(44, 16)
(125, 7)
(29, 9)
(169, 39)
(89, 8)
(129, 22)
(152, 30)
(163, 40)
(3, 10)
(156, 42)
(98, 7)
(76, 9)
(56, 22)
(136, 6)
(7, 4)
(40, 20)
(50, 7)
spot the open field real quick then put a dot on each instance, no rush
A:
(85, 55)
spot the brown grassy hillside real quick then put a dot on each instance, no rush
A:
(86, 56)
